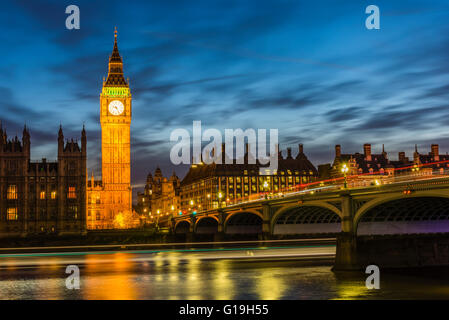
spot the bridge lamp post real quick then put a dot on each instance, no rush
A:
(220, 195)
(265, 187)
(344, 170)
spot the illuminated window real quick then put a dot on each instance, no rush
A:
(53, 195)
(12, 214)
(72, 193)
(12, 192)
(73, 212)
(42, 195)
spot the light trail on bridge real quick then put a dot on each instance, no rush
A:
(168, 244)
(323, 251)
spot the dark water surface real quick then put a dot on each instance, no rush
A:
(170, 275)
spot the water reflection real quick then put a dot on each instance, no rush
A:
(111, 281)
(175, 275)
(223, 284)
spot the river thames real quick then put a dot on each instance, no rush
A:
(292, 272)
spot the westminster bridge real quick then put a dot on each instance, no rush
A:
(412, 206)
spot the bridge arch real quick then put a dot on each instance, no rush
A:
(206, 225)
(421, 212)
(243, 222)
(313, 217)
(182, 227)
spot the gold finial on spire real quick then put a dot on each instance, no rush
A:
(115, 32)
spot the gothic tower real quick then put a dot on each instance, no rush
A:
(115, 118)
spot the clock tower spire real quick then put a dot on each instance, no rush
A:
(115, 73)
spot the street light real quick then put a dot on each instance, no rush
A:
(265, 187)
(344, 170)
(220, 195)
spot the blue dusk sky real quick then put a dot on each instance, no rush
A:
(308, 68)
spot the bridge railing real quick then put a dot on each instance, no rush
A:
(412, 173)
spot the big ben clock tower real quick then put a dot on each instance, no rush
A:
(115, 118)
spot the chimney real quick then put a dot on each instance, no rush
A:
(337, 151)
(279, 152)
(367, 151)
(435, 152)
(401, 156)
(289, 153)
(251, 153)
(224, 156)
(300, 149)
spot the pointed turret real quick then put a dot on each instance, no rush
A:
(115, 56)
(174, 176)
(2, 137)
(60, 141)
(384, 153)
(83, 141)
(416, 155)
(115, 75)
(26, 139)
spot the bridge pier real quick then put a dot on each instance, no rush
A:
(346, 255)
(266, 222)
(190, 236)
(220, 235)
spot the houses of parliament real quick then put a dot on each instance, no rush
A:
(56, 197)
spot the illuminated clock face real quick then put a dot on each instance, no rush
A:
(116, 107)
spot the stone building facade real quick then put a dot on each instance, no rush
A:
(42, 197)
(160, 200)
(208, 186)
